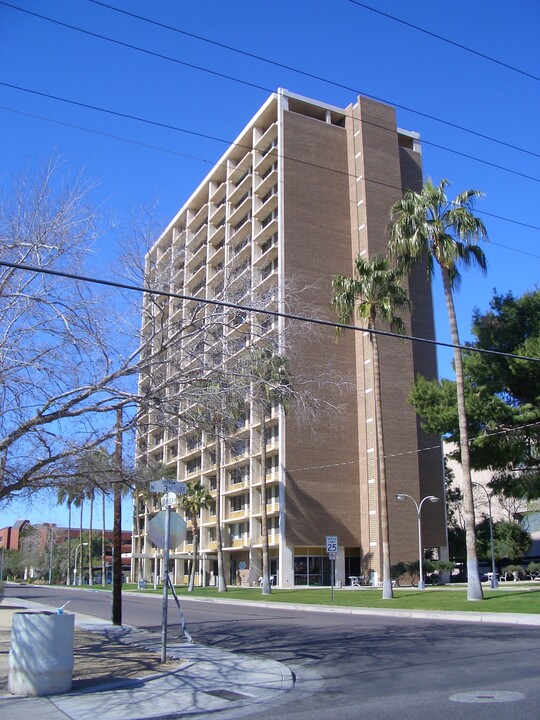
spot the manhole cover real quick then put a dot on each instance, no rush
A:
(487, 696)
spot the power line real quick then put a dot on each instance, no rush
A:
(246, 82)
(167, 126)
(417, 451)
(442, 38)
(108, 135)
(260, 311)
(313, 76)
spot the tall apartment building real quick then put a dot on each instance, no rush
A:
(303, 189)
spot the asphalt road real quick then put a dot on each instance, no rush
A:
(356, 666)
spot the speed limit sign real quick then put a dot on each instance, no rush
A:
(331, 543)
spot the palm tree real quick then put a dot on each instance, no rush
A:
(375, 293)
(224, 407)
(90, 496)
(78, 501)
(66, 495)
(428, 227)
(196, 498)
(270, 385)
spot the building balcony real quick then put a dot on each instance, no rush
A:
(263, 232)
(217, 250)
(230, 488)
(241, 249)
(263, 183)
(217, 192)
(240, 542)
(242, 169)
(197, 255)
(267, 204)
(267, 138)
(197, 220)
(236, 515)
(266, 158)
(268, 251)
(217, 211)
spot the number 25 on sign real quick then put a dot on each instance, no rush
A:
(331, 543)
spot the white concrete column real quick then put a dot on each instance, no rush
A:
(340, 566)
(286, 566)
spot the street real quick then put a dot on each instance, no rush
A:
(352, 666)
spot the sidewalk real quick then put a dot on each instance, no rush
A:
(205, 679)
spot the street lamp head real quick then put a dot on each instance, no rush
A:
(401, 496)
(433, 499)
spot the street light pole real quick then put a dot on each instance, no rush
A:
(494, 581)
(431, 498)
(75, 566)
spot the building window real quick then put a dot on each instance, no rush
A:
(193, 466)
(238, 448)
(269, 194)
(238, 475)
(272, 240)
(311, 570)
(268, 219)
(269, 269)
(237, 531)
(238, 503)
(272, 465)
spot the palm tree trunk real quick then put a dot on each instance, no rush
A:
(81, 553)
(68, 573)
(90, 573)
(474, 588)
(387, 593)
(222, 585)
(266, 587)
(103, 569)
(194, 525)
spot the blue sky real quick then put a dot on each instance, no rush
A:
(339, 40)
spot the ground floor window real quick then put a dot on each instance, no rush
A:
(311, 568)
(353, 562)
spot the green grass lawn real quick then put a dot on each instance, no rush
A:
(522, 598)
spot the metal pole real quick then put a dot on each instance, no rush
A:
(2, 563)
(494, 581)
(165, 584)
(431, 498)
(332, 576)
(421, 583)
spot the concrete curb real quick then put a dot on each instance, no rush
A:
(447, 615)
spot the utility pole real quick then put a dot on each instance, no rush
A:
(117, 528)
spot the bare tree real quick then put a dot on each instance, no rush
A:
(61, 360)
(70, 352)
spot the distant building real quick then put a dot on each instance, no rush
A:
(303, 190)
(12, 538)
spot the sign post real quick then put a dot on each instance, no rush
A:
(170, 489)
(165, 583)
(331, 549)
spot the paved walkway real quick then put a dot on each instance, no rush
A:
(209, 679)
